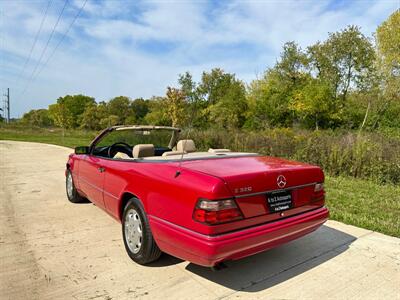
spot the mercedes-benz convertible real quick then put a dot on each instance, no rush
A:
(206, 207)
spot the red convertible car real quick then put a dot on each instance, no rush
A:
(204, 207)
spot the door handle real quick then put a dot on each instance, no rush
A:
(101, 169)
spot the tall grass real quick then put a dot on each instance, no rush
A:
(361, 155)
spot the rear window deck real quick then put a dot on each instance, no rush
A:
(197, 155)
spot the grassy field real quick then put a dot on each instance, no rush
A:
(71, 138)
(364, 203)
(358, 202)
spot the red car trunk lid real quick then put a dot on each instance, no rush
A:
(250, 178)
(253, 174)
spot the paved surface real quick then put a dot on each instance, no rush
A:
(52, 249)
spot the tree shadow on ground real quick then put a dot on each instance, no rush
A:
(272, 267)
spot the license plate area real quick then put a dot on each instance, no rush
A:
(279, 201)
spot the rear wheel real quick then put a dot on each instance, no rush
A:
(138, 239)
(72, 193)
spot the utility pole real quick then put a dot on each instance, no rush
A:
(6, 110)
(8, 105)
(3, 110)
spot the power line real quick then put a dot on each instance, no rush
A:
(63, 37)
(35, 40)
(45, 47)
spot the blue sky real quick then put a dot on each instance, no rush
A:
(138, 48)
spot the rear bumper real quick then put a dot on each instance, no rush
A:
(208, 250)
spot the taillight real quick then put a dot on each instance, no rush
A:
(216, 211)
(318, 187)
(319, 193)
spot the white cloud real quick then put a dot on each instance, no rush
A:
(138, 48)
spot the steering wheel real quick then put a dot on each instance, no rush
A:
(123, 146)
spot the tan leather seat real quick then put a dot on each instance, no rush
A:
(169, 153)
(186, 146)
(143, 150)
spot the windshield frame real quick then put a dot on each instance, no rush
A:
(174, 136)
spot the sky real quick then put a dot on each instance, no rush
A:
(138, 48)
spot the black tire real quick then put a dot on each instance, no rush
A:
(72, 195)
(148, 250)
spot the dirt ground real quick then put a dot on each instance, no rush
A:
(53, 249)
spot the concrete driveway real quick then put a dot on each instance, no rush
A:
(52, 249)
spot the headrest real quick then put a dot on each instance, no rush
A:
(143, 150)
(186, 146)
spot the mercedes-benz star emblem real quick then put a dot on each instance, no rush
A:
(281, 181)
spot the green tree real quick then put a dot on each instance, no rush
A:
(388, 50)
(61, 116)
(224, 98)
(110, 120)
(269, 97)
(312, 87)
(313, 104)
(214, 85)
(94, 115)
(196, 105)
(76, 105)
(292, 65)
(269, 100)
(139, 108)
(188, 87)
(119, 107)
(37, 117)
(229, 112)
(89, 118)
(345, 60)
(175, 102)
(158, 112)
(388, 53)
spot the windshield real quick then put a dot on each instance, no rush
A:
(160, 138)
(123, 140)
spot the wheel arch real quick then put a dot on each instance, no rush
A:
(67, 168)
(126, 196)
(70, 163)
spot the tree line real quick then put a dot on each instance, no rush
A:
(347, 81)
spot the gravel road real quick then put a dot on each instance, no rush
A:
(52, 249)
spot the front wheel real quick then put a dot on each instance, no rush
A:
(138, 239)
(72, 193)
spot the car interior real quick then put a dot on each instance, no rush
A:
(183, 147)
(129, 147)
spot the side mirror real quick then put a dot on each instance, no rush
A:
(82, 150)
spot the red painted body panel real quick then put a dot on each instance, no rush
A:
(169, 201)
(91, 180)
(258, 171)
(209, 250)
